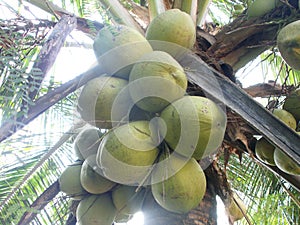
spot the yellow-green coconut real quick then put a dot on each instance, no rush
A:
(288, 42)
(96, 210)
(264, 151)
(182, 191)
(126, 153)
(118, 47)
(91, 178)
(87, 142)
(193, 126)
(127, 200)
(171, 31)
(156, 80)
(104, 101)
(69, 182)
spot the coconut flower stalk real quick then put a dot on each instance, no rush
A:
(202, 10)
(188, 6)
(157, 7)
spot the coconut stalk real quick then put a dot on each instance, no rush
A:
(257, 116)
(157, 7)
(202, 10)
(43, 103)
(188, 6)
(141, 14)
(244, 39)
(40, 203)
(48, 6)
(119, 14)
(243, 55)
(49, 52)
(45, 157)
(89, 27)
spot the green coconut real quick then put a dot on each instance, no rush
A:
(126, 200)
(92, 180)
(87, 142)
(122, 218)
(264, 151)
(193, 126)
(137, 113)
(156, 80)
(285, 117)
(261, 7)
(286, 163)
(182, 191)
(118, 47)
(69, 182)
(236, 208)
(96, 210)
(75, 133)
(104, 101)
(172, 31)
(127, 152)
(288, 42)
(292, 104)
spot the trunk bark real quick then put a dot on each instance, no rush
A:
(204, 214)
(244, 39)
(40, 203)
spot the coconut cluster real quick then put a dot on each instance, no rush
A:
(145, 134)
(272, 155)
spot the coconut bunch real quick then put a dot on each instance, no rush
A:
(272, 155)
(145, 134)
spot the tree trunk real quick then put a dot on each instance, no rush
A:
(204, 214)
(242, 40)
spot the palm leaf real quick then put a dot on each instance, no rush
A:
(273, 63)
(263, 192)
(25, 183)
(81, 8)
(25, 178)
(21, 45)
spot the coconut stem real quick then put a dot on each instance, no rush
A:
(119, 14)
(202, 10)
(188, 6)
(238, 203)
(156, 7)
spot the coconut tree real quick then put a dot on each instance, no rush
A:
(39, 124)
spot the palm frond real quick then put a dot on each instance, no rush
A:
(272, 63)
(35, 164)
(81, 8)
(156, 7)
(225, 11)
(34, 187)
(264, 193)
(119, 14)
(20, 41)
(202, 9)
